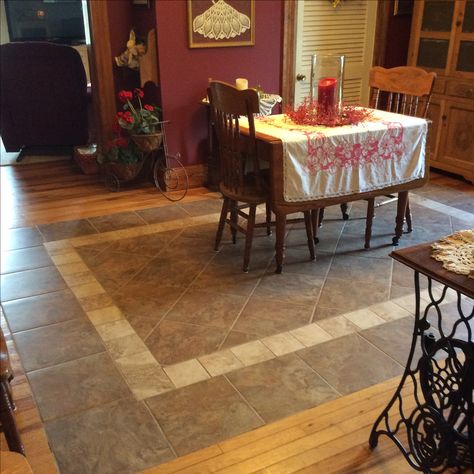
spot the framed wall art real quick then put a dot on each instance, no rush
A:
(220, 23)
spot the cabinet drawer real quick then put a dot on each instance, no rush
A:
(461, 89)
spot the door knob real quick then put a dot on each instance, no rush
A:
(301, 77)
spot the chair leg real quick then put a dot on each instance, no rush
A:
(268, 210)
(234, 219)
(309, 232)
(220, 228)
(401, 211)
(345, 215)
(315, 224)
(368, 223)
(249, 236)
(408, 216)
(321, 217)
(279, 241)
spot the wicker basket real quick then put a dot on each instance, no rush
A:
(124, 172)
(86, 158)
(148, 143)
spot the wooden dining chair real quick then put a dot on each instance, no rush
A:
(403, 90)
(242, 179)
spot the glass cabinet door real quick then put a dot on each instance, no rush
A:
(465, 41)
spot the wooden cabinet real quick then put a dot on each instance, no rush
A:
(442, 40)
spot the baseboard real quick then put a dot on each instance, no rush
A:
(197, 175)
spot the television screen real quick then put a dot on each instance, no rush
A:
(58, 21)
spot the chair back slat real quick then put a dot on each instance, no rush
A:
(403, 89)
(236, 154)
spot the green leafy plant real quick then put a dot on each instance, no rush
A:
(137, 118)
(120, 150)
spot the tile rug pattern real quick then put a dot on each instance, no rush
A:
(141, 343)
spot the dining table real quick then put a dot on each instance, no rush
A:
(315, 166)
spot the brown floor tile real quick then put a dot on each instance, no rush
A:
(201, 208)
(163, 214)
(265, 317)
(280, 387)
(297, 261)
(78, 385)
(144, 304)
(113, 269)
(30, 283)
(349, 295)
(148, 245)
(169, 271)
(192, 250)
(118, 438)
(393, 338)
(450, 315)
(207, 309)
(227, 279)
(50, 308)
(21, 237)
(233, 255)
(350, 363)
(349, 267)
(57, 343)
(353, 244)
(322, 312)
(173, 342)
(121, 220)
(25, 259)
(202, 414)
(290, 287)
(66, 230)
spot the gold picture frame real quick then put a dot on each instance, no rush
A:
(202, 33)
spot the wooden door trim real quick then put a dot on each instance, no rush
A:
(289, 52)
(103, 88)
(290, 14)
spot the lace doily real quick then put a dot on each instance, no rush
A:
(456, 252)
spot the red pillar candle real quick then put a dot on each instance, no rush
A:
(327, 94)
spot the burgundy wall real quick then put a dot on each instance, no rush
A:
(398, 38)
(184, 72)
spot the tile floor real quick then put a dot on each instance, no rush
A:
(141, 343)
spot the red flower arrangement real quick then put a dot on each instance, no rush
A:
(137, 118)
(308, 113)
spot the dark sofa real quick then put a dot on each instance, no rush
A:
(43, 96)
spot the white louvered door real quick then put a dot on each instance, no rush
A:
(347, 29)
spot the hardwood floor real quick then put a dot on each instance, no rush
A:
(57, 191)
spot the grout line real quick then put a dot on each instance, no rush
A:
(245, 400)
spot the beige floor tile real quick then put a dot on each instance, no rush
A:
(115, 329)
(99, 301)
(144, 375)
(79, 279)
(389, 311)
(337, 326)
(252, 353)
(283, 343)
(364, 318)
(72, 268)
(311, 334)
(220, 362)
(88, 289)
(125, 346)
(186, 373)
(59, 247)
(104, 315)
(65, 258)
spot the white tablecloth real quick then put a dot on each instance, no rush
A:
(322, 162)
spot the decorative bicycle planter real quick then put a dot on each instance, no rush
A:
(169, 174)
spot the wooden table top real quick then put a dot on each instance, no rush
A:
(419, 258)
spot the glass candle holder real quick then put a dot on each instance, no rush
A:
(326, 86)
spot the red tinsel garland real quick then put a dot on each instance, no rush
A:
(308, 113)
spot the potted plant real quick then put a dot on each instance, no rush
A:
(122, 158)
(141, 121)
